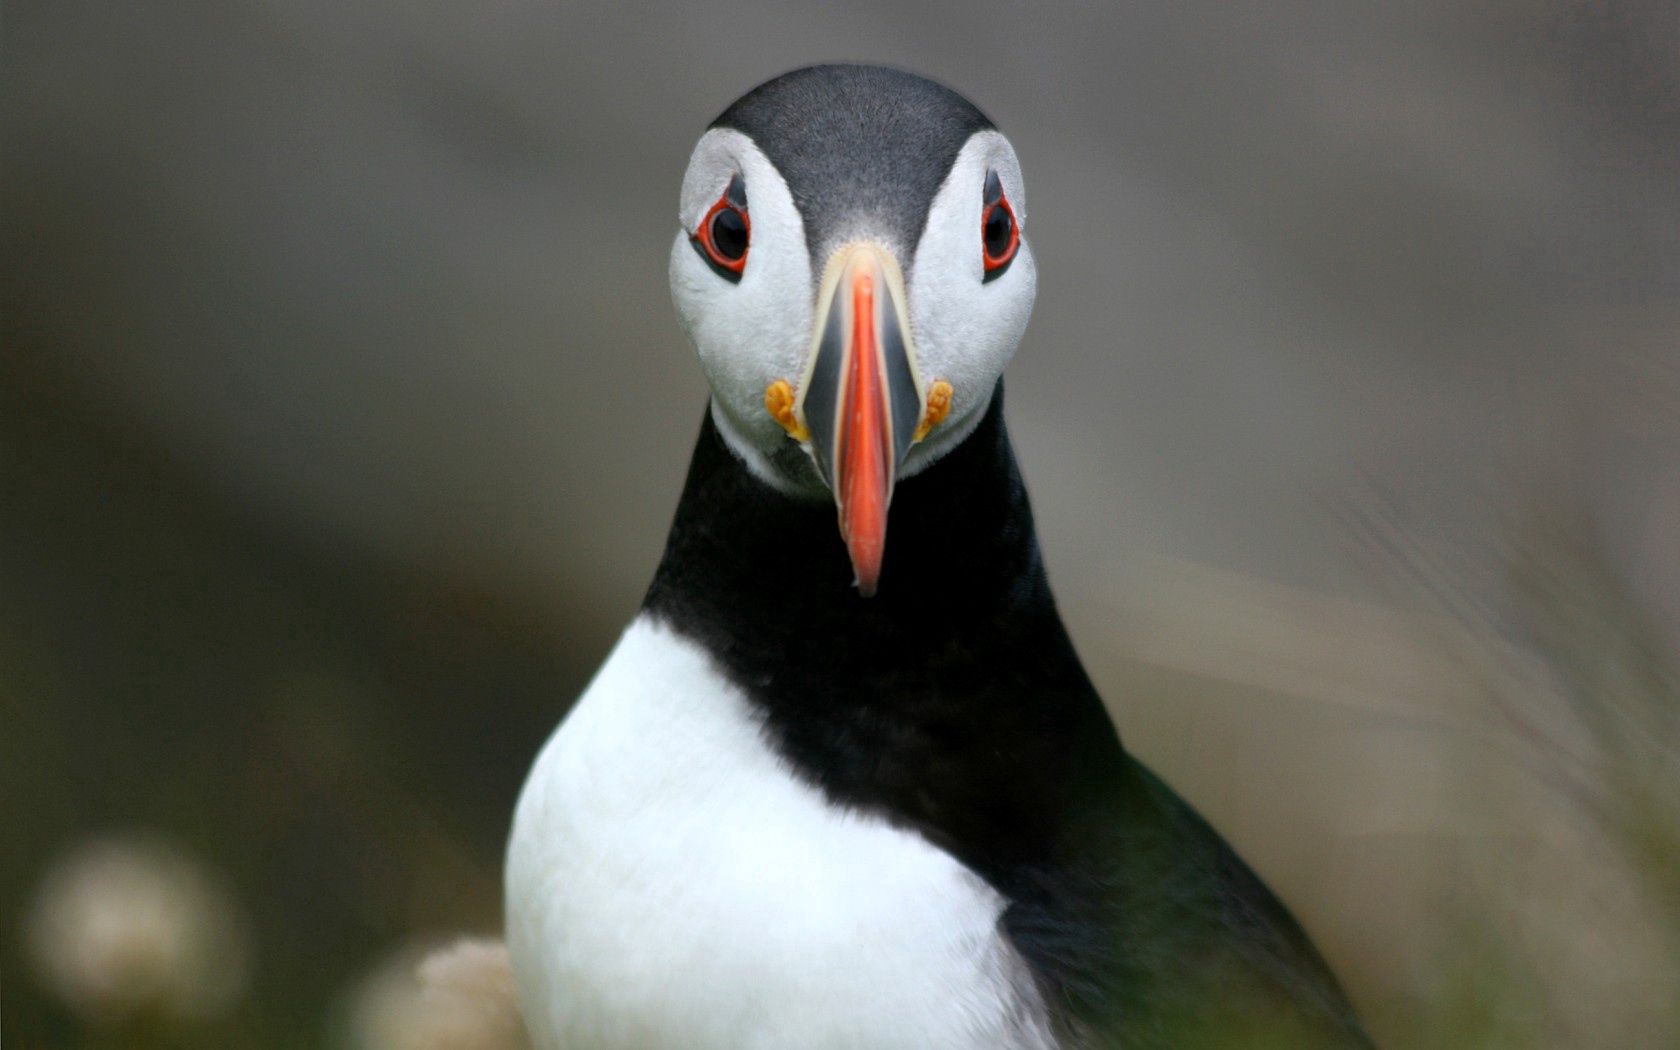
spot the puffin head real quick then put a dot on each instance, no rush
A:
(852, 266)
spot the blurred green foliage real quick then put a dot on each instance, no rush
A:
(343, 738)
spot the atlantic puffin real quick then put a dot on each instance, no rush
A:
(852, 787)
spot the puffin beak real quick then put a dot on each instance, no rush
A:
(862, 400)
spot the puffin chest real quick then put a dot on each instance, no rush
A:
(671, 882)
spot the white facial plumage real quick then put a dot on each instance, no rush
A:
(750, 333)
(966, 329)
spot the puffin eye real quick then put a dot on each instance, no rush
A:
(725, 232)
(1000, 235)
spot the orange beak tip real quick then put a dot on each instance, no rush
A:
(866, 554)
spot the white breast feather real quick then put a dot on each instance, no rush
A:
(671, 883)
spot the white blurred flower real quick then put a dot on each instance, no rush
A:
(134, 925)
(455, 998)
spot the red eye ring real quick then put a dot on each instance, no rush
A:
(717, 243)
(998, 244)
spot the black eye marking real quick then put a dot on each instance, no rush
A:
(725, 233)
(1000, 234)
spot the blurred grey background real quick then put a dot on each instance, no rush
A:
(342, 412)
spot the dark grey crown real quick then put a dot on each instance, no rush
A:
(864, 149)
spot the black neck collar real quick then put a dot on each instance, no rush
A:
(951, 701)
(960, 544)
